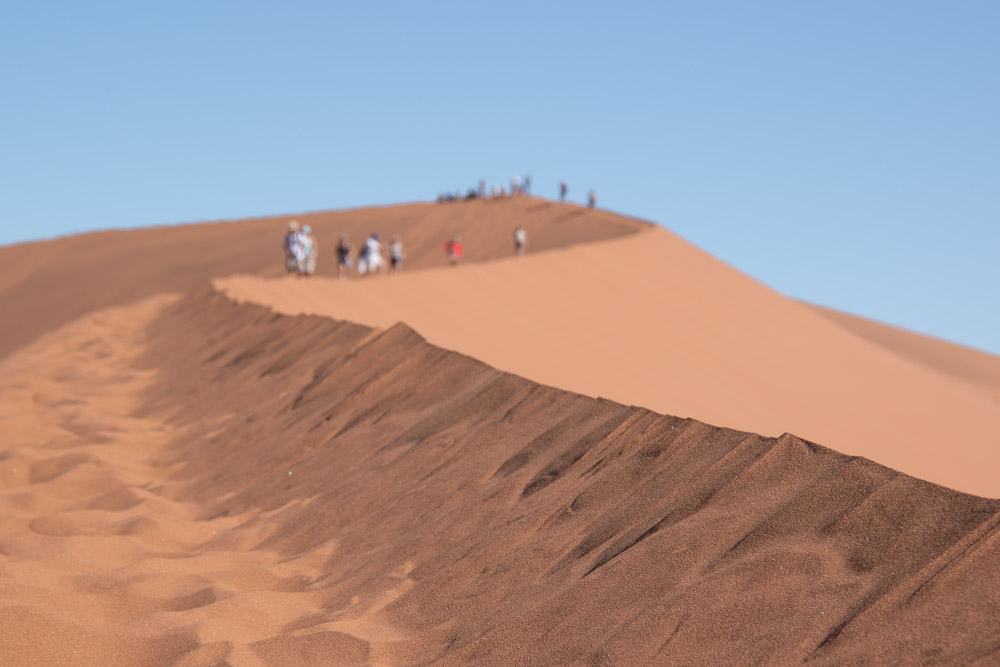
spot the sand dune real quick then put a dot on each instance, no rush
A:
(979, 370)
(652, 321)
(189, 480)
(44, 285)
(200, 482)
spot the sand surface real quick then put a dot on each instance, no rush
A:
(190, 480)
(46, 284)
(652, 321)
(979, 370)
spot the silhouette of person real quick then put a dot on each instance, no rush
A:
(562, 191)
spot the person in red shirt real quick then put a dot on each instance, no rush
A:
(454, 249)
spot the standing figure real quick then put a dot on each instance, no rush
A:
(592, 199)
(527, 184)
(520, 240)
(311, 251)
(370, 260)
(515, 186)
(562, 191)
(454, 249)
(343, 257)
(294, 246)
(395, 255)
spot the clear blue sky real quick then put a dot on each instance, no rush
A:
(847, 153)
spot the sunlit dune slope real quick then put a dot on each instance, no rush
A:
(651, 320)
(191, 481)
(980, 370)
(46, 284)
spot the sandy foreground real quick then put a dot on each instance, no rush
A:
(186, 479)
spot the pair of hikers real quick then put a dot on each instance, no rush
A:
(301, 249)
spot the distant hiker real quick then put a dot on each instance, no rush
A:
(370, 260)
(311, 251)
(395, 255)
(520, 240)
(592, 199)
(562, 191)
(295, 248)
(343, 256)
(454, 249)
(482, 188)
(515, 186)
(527, 184)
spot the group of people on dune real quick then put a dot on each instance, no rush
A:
(518, 186)
(301, 251)
(369, 260)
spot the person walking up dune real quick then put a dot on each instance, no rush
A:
(294, 247)
(520, 240)
(592, 199)
(395, 255)
(563, 188)
(310, 251)
(343, 257)
(370, 260)
(453, 248)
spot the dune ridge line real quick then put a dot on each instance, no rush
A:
(258, 488)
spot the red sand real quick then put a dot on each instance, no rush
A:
(652, 321)
(186, 480)
(46, 284)
(980, 371)
(211, 483)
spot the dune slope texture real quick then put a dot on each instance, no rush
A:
(49, 283)
(651, 320)
(190, 481)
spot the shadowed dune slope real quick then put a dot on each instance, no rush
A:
(980, 370)
(651, 320)
(299, 490)
(49, 283)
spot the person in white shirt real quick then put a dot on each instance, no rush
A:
(520, 240)
(294, 246)
(371, 255)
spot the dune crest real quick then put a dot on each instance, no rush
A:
(651, 320)
(46, 284)
(260, 489)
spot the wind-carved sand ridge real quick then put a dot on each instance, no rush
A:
(194, 481)
(650, 320)
(239, 486)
